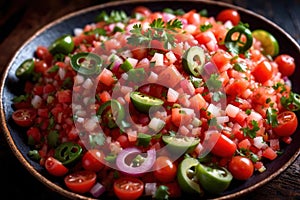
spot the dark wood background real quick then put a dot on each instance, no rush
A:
(19, 19)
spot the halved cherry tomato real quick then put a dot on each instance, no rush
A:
(80, 181)
(287, 123)
(229, 14)
(164, 169)
(128, 188)
(93, 160)
(55, 167)
(241, 167)
(24, 117)
(286, 64)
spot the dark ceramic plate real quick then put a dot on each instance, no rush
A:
(11, 87)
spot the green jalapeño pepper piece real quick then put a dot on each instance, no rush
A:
(86, 63)
(62, 45)
(234, 41)
(213, 179)
(112, 113)
(68, 153)
(180, 144)
(193, 61)
(186, 176)
(143, 102)
(25, 70)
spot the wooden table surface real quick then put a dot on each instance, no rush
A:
(19, 19)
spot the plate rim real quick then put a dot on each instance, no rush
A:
(62, 191)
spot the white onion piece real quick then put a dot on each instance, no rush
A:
(150, 189)
(97, 190)
(135, 171)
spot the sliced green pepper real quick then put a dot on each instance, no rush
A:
(213, 179)
(193, 60)
(53, 138)
(143, 102)
(143, 139)
(68, 153)
(25, 70)
(237, 45)
(86, 63)
(126, 66)
(62, 45)
(186, 176)
(136, 75)
(180, 144)
(112, 113)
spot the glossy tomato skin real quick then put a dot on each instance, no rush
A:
(222, 143)
(164, 169)
(24, 117)
(229, 14)
(287, 124)
(241, 168)
(80, 181)
(128, 188)
(93, 160)
(142, 10)
(55, 167)
(286, 64)
(263, 71)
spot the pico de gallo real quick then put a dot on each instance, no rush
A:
(158, 104)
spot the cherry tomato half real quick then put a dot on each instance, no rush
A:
(229, 14)
(128, 188)
(24, 117)
(287, 123)
(286, 64)
(80, 181)
(241, 168)
(164, 169)
(55, 167)
(93, 160)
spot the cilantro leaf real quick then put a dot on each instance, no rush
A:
(213, 83)
(98, 139)
(251, 132)
(272, 117)
(240, 67)
(113, 17)
(205, 27)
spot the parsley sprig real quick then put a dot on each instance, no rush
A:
(159, 30)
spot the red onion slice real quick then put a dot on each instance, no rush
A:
(135, 171)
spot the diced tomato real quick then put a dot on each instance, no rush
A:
(269, 153)
(106, 77)
(198, 102)
(237, 87)
(64, 96)
(244, 144)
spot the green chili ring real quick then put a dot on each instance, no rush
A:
(63, 45)
(68, 153)
(296, 99)
(241, 46)
(25, 70)
(86, 63)
(117, 112)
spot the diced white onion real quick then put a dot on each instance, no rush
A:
(61, 73)
(158, 58)
(78, 79)
(152, 77)
(88, 83)
(214, 110)
(172, 95)
(36, 101)
(90, 125)
(222, 119)
(126, 89)
(171, 57)
(132, 61)
(156, 124)
(255, 116)
(259, 142)
(97, 190)
(232, 110)
(78, 31)
(150, 189)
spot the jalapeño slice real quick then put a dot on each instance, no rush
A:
(186, 176)
(143, 102)
(26, 69)
(213, 179)
(193, 60)
(180, 144)
(86, 63)
(68, 153)
(112, 113)
(62, 45)
(234, 39)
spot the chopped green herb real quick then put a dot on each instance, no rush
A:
(20, 98)
(240, 67)
(272, 117)
(113, 17)
(98, 139)
(217, 96)
(174, 12)
(162, 193)
(251, 132)
(213, 83)
(205, 27)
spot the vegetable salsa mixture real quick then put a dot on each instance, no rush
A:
(158, 104)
